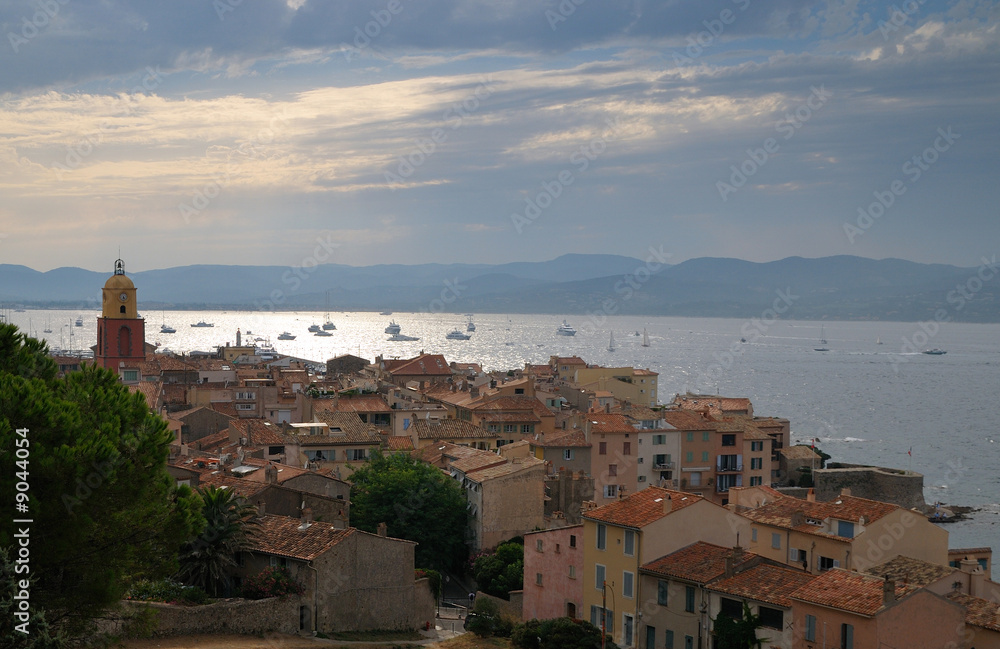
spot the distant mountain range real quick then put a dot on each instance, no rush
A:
(841, 288)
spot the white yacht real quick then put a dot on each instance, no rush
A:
(393, 328)
(320, 332)
(167, 329)
(202, 323)
(565, 329)
(398, 337)
(329, 326)
(456, 334)
(284, 336)
(314, 328)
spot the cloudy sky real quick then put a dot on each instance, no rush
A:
(410, 131)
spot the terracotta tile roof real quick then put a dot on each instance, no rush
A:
(574, 438)
(639, 413)
(764, 583)
(442, 452)
(151, 391)
(284, 471)
(978, 611)
(240, 486)
(259, 432)
(213, 442)
(964, 551)
(520, 417)
(848, 591)
(281, 536)
(505, 469)
(569, 360)
(799, 452)
(184, 416)
(779, 513)
(399, 443)
(715, 403)
(477, 461)
(345, 428)
(517, 404)
(226, 408)
(914, 571)
(684, 420)
(699, 562)
(362, 403)
(608, 423)
(449, 429)
(641, 508)
(423, 365)
(641, 372)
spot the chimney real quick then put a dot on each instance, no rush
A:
(589, 505)
(474, 392)
(738, 554)
(607, 408)
(846, 491)
(261, 507)
(382, 529)
(270, 474)
(668, 504)
(730, 562)
(888, 592)
(798, 518)
(977, 576)
(307, 515)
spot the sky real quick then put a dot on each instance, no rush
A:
(359, 132)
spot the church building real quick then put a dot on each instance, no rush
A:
(121, 333)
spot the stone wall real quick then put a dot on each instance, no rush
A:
(236, 616)
(509, 609)
(567, 491)
(424, 605)
(876, 483)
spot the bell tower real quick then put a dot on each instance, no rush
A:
(121, 333)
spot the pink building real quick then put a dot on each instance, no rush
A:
(553, 573)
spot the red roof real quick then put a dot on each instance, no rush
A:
(423, 365)
(764, 583)
(287, 537)
(854, 592)
(699, 562)
(641, 508)
(609, 423)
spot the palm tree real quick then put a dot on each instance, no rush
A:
(207, 559)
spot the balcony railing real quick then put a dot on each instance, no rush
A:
(729, 468)
(657, 466)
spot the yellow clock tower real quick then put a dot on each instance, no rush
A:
(121, 333)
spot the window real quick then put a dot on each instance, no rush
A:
(130, 375)
(538, 578)
(612, 469)
(275, 450)
(729, 440)
(776, 540)
(279, 562)
(696, 479)
(661, 592)
(772, 618)
(704, 456)
(595, 618)
(728, 463)
(731, 608)
(610, 491)
(810, 628)
(846, 636)
(706, 436)
(246, 396)
(568, 454)
(756, 480)
(690, 436)
(753, 534)
(357, 454)
(628, 584)
(602, 537)
(626, 448)
(572, 571)
(538, 545)
(756, 446)
(845, 529)
(245, 406)
(659, 439)
(557, 548)
(688, 642)
(526, 428)
(630, 543)
(320, 456)
(826, 563)
(510, 428)
(493, 428)
(628, 624)
(572, 540)
(757, 463)
(602, 448)
(518, 390)
(689, 599)
(689, 456)
(599, 577)
(668, 640)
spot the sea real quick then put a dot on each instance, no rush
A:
(873, 397)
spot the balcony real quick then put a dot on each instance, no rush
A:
(663, 466)
(729, 468)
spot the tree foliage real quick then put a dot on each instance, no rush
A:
(487, 620)
(502, 570)
(104, 509)
(559, 633)
(206, 561)
(737, 634)
(417, 502)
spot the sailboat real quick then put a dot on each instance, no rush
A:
(611, 343)
(328, 324)
(878, 341)
(822, 340)
(645, 338)
(48, 327)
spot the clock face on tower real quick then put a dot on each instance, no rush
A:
(123, 297)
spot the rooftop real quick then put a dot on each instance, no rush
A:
(699, 562)
(764, 583)
(288, 537)
(849, 591)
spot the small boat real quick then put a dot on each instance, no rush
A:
(878, 341)
(314, 328)
(385, 313)
(822, 335)
(322, 333)
(393, 328)
(202, 323)
(456, 334)
(284, 336)
(471, 326)
(743, 340)
(329, 326)
(79, 321)
(167, 329)
(611, 343)
(934, 352)
(48, 327)
(397, 337)
(636, 333)
(645, 338)
(821, 349)
(565, 329)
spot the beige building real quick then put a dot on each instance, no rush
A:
(505, 498)
(624, 383)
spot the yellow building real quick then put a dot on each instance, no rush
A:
(625, 383)
(624, 535)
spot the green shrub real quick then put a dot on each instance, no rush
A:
(166, 590)
(271, 582)
(488, 621)
(433, 577)
(559, 633)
